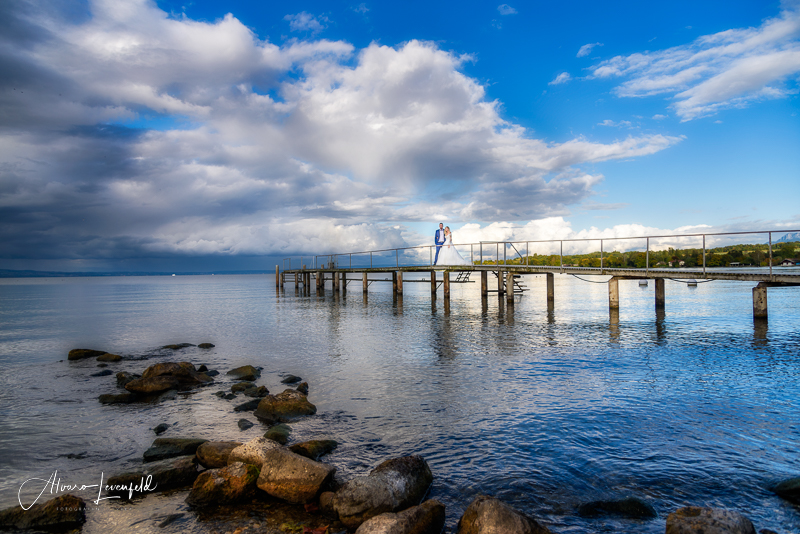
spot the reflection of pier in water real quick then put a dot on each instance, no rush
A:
(505, 276)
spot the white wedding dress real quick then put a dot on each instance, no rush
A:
(448, 255)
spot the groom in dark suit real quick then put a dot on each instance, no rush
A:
(438, 238)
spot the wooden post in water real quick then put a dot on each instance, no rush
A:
(613, 294)
(433, 283)
(660, 298)
(320, 281)
(343, 281)
(283, 279)
(277, 276)
(484, 283)
(394, 283)
(760, 301)
(335, 281)
(400, 283)
(296, 279)
(510, 288)
(446, 276)
(500, 283)
(551, 288)
(364, 283)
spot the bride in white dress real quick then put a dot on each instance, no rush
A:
(448, 254)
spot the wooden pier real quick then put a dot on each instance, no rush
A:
(508, 277)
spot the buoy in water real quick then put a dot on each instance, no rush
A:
(642, 283)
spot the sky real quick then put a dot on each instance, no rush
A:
(151, 135)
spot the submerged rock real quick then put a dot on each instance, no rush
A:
(165, 376)
(104, 372)
(314, 448)
(205, 346)
(214, 454)
(631, 507)
(697, 520)
(225, 395)
(170, 447)
(226, 485)
(427, 518)
(177, 346)
(108, 357)
(248, 406)
(121, 398)
(280, 433)
(284, 407)
(788, 489)
(291, 477)
(163, 475)
(291, 379)
(80, 354)
(160, 429)
(394, 485)
(63, 513)
(241, 386)
(302, 388)
(245, 372)
(487, 515)
(244, 424)
(253, 452)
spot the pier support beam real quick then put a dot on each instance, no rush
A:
(446, 278)
(296, 279)
(400, 283)
(510, 288)
(335, 282)
(760, 301)
(277, 276)
(484, 283)
(343, 281)
(283, 279)
(500, 283)
(320, 281)
(660, 299)
(364, 283)
(394, 283)
(613, 294)
(551, 288)
(433, 282)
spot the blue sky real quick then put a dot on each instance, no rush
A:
(138, 134)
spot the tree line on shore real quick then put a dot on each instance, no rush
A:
(756, 255)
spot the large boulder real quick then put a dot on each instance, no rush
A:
(314, 448)
(226, 485)
(168, 375)
(214, 454)
(394, 485)
(284, 407)
(788, 489)
(487, 515)
(280, 433)
(163, 448)
(253, 452)
(698, 520)
(155, 476)
(65, 512)
(292, 477)
(80, 354)
(427, 518)
(630, 507)
(123, 377)
(245, 372)
(108, 357)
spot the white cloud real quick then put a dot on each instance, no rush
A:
(620, 124)
(506, 9)
(729, 69)
(305, 22)
(586, 49)
(564, 77)
(302, 147)
(361, 8)
(659, 117)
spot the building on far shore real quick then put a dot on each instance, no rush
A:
(790, 262)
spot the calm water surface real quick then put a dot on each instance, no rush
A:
(544, 409)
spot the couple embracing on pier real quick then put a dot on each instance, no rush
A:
(446, 253)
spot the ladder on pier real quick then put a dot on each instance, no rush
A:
(518, 288)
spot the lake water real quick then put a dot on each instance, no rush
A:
(545, 409)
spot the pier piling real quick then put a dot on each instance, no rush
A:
(400, 283)
(433, 283)
(551, 291)
(500, 283)
(760, 301)
(613, 294)
(335, 282)
(394, 283)
(364, 283)
(484, 283)
(446, 279)
(277, 276)
(510, 288)
(660, 300)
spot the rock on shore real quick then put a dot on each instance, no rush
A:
(165, 474)
(427, 518)
(245, 372)
(293, 478)
(487, 515)
(80, 354)
(214, 454)
(696, 520)
(788, 489)
(63, 513)
(394, 485)
(284, 407)
(168, 375)
(171, 447)
(314, 448)
(253, 452)
(226, 485)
